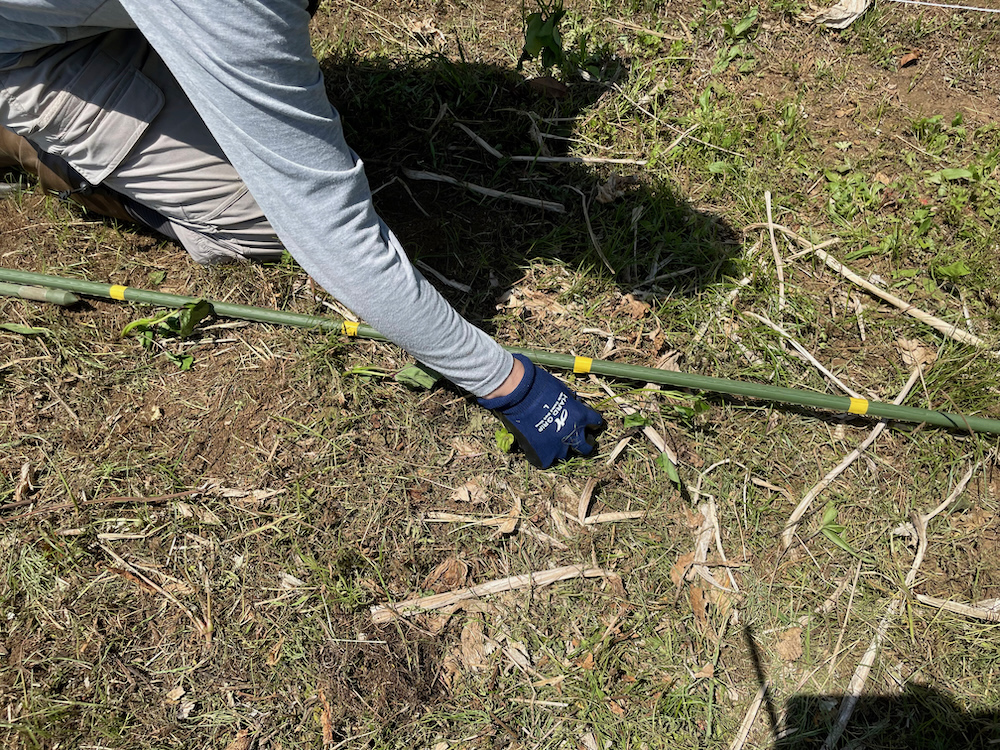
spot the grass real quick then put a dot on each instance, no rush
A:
(318, 472)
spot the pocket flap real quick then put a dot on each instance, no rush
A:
(96, 120)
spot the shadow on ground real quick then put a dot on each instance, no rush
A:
(918, 718)
(410, 115)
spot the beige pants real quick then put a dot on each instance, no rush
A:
(77, 105)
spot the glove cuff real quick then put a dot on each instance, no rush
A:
(515, 397)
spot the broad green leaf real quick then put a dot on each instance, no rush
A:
(668, 466)
(635, 420)
(954, 270)
(950, 175)
(748, 21)
(417, 376)
(191, 315)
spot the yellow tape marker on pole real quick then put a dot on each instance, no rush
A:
(858, 406)
(581, 365)
(350, 327)
(117, 291)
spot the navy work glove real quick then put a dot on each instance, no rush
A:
(545, 417)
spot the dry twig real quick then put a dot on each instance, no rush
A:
(654, 437)
(590, 230)
(779, 266)
(860, 676)
(805, 354)
(387, 612)
(84, 503)
(980, 612)
(490, 192)
(803, 506)
(575, 160)
(751, 715)
(948, 329)
(204, 627)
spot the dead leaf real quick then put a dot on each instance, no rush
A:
(517, 653)
(699, 605)
(681, 567)
(23, 483)
(615, 707)
(616, 586)
(242, 741)
(909, 58)
(916, 354)
(471, 492)
(427, 32)
(473, 646)
(288, 581)
(539, 304)
(632, 307)
(548, 86)
(433, 622)
(693, 519)
(184, 710)
(707, 671)
(613, 188)
(568, 500)
(587, 662)
(838, 16)
(178, 587)
(465, 449)
(129, 576)
(509, 526)
(451, 667)
(274, 655)
(789, 646)
(326, 720)
(450, 574)
(198, 513)
(176, 694)
(669, 361)
(722, 600)
(550, 681)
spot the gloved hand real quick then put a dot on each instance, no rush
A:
(545, 417)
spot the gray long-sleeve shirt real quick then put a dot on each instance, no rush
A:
(248, 68)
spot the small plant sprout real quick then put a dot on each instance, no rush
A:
(541, 34)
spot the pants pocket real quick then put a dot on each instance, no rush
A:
(88, 105)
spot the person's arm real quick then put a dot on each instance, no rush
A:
(248, 67)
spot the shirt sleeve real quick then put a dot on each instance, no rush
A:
(249, 70)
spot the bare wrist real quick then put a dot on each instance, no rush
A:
(510, 383)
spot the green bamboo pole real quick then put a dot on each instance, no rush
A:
(163, 299)
(546, 359)
(39, 294)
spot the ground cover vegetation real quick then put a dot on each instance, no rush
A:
(194, 530)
